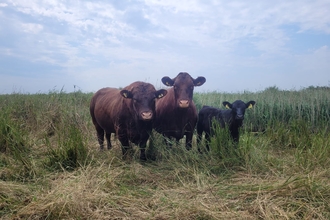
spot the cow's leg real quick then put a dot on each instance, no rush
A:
(143, 150)
(100, 136)
(207, 140)
(167, 141)
(125, 147)
(199, 135)
(108, 137)
(189, 136)
(235, 136)
(177, 141)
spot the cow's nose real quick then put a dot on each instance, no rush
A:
(184, 103)
(146, 115)
(240, 116)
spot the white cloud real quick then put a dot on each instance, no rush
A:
(174, 6)
(31, 28)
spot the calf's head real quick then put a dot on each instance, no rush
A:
(142, 100)
(183, 85)
(238, 108)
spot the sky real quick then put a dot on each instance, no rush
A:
(239, 45)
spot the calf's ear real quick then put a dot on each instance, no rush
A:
(126, 94)
(161, 93)
(227, 104)
(199, 81)
(250, 104)
(167, 81)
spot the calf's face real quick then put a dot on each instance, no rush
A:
(143, 101)
(183, 85)
(238, 108)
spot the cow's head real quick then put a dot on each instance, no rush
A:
(238, 108)
(183, 85)
(142, 97)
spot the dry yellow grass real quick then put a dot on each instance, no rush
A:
(114, 189)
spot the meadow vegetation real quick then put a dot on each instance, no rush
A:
(51, 166)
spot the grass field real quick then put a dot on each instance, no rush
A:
(51, 166)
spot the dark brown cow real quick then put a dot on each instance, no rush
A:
(176, 114)
(128, 113)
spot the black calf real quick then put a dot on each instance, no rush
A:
(232, 117)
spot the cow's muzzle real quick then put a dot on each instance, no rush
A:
(240, 117)
(146, 115)
(184, 103)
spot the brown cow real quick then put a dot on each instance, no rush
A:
(176, 114)
(128, 113)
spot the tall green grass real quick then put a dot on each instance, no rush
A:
(274, 106)
(53, 121)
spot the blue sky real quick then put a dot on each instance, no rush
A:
(237, 45)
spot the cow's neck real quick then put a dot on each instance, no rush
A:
(236, 123)
(182, 111)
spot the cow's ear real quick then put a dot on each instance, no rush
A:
(161, 93)
(126, 94)
(250, 104)
(199, 81)
(227, 104)
(167, 81)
